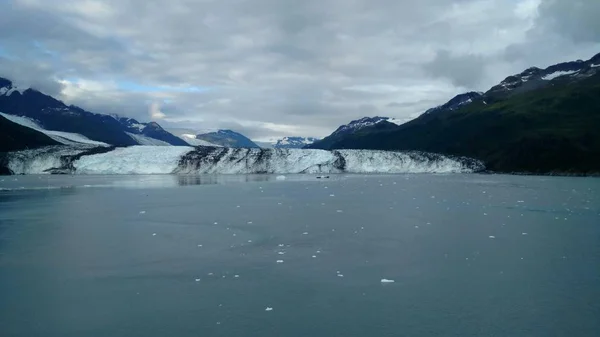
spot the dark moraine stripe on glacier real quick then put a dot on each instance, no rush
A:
(340, 161)
(67, 161)
(209, 156)
(66, 154)
(201, 155)
(4, 170)
(424, 157)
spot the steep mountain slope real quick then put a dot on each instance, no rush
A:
(294, 142)
(540, 121)
(61, 137)
(14, 137)
(363, 125)
(227, 138)
(52, 114)
(189, 136)
(149, 130)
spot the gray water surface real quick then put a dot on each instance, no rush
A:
(471, 255)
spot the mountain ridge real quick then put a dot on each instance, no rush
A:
(540, 121)
(227, 138)
(53, 114)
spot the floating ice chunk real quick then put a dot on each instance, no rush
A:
(384, 280)
(280, 178)
(523, 233)
(279, 261)
(484, 213)
(238, 206)
(153, 234)
(236, 276)
(197, 280)
(314, 256)
(305, 233)
(142, 212)
(340, 211)
(340, 275)
(416, 226)
(216, 223)
(249, 222)
(281, 245)
(332, 195)
(249, 241)
(269, 309)
(520, 201)
(318, 251)
(210, 274)
(281, 253)
(492, 237)
(199, 245)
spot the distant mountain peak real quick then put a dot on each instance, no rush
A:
(457, 102)
(227, 138)
(294, 142)
(362, 123)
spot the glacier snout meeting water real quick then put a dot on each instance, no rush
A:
(219, 160)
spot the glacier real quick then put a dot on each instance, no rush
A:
(219, 160)
(66, 138)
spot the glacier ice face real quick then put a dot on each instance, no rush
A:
(133, 160)
(44, 160)
(219, 160)
(290, 161)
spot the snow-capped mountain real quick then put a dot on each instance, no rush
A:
(189, 136)
(149, 133)
(51, 114)
(355, 126)
(227, 138)
(457, 102)
(294, 142)
(535, 78)
(66, 138)
(542, 121)
(365, 122)
(214, 160)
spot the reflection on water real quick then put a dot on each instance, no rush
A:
(52, 182)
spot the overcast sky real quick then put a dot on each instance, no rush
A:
(271, 68)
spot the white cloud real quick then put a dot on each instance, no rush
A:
(155, 113)
(276, 67)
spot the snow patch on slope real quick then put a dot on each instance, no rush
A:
(7, 91)
(66, 138)
(191, 139)
(143, 140)
(556, 74)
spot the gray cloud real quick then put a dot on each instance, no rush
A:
(463, 70)
(273, 68)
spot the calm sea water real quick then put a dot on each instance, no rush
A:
(470, 255)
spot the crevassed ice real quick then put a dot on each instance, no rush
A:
(211, 160)
(133, 160)
(39, 161)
